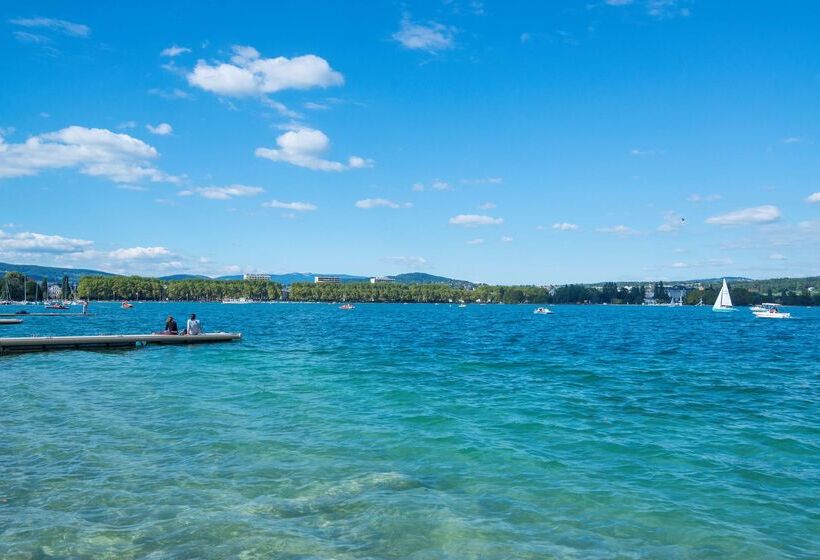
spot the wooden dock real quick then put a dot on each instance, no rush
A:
(101, 342)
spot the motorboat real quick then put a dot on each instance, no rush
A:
(126, 305)
(542, 311)
(237, 300)
(347, 306)
(771, 311)
(723, 303)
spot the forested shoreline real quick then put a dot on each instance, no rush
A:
(115, 288)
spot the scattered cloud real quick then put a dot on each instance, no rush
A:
(618, 230)
(432, 37)
(247, 74)
(483, 181)
(660, 9)
(140, 253)
(304, 147)
(475, 242)
(679, 265)
(777, 257)
(487, 206)
(32, 38)
(223, 193)
(58, 25)
(638, 152)
(695, 197)
(94, 151)
(814, 197)
(417, 187)
(440, 185)
(565, 226)
(294, 206)
(127, 124)
(162, 129)
(174, 50)
(175, 93)
(472, 220)
(368, 203)
(671, 222)
(791, 140)
(27, 242)
(415, 263)
(758, 215)
(506, 239)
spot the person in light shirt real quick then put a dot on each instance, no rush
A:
(193, 326)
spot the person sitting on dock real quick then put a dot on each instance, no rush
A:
(171, 326)
(193, 326)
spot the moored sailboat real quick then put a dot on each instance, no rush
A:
(723, 302)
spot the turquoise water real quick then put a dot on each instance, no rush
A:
(417, 431)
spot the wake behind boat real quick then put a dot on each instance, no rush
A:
(723, 303)
(542, 311)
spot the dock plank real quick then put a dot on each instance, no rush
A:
(46, 343)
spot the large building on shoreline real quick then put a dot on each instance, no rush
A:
(264, 277)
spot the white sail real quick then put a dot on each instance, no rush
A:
(723, 300)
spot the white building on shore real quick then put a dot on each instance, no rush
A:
(381, 280)
(327, 280)
(264, 277)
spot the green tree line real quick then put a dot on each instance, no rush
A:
(154, 289)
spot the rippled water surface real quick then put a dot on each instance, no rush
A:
(416, 431)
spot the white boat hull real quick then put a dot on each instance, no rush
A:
(770, 315)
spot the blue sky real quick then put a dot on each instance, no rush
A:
(492, 141)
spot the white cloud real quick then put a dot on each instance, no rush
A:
(94, 151)
(432, 37)
(695, 197)
(483, 181)
(777, 257)
(30, 242)
(471, 220)
(475, 242)
(565, 226)
(368, 203)
(791, 140)
(174, 50)
(814, 197)
(679, 265)
(506, 238)
(248, 74)
(175, 93)
(127, 124)
(294, 206)
(303, 148)
(671, 222)
(758, 215)
(618, 230)
(223, 193)
(59, 25)
(440, 185)
(486, 206)
(140, 253)
(417, 187)
(162, 129)
(409, 262)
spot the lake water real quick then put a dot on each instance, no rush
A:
(416, 431)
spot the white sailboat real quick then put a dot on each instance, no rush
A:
(724, 300)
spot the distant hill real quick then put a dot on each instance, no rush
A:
(53, 274)
(424, 278)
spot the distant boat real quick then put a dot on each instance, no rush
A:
(55, 306)
(462, 305)
(542, 311)
(126, 305)
(771, 311)
(723, 303)
(237, 300)
(347, 306)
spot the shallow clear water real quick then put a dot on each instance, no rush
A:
(416, 431)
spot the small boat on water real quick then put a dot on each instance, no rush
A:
(771, 311)
(236, 301)
(347, 306)
(542, 311)
(723, 303)
(126, 305)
